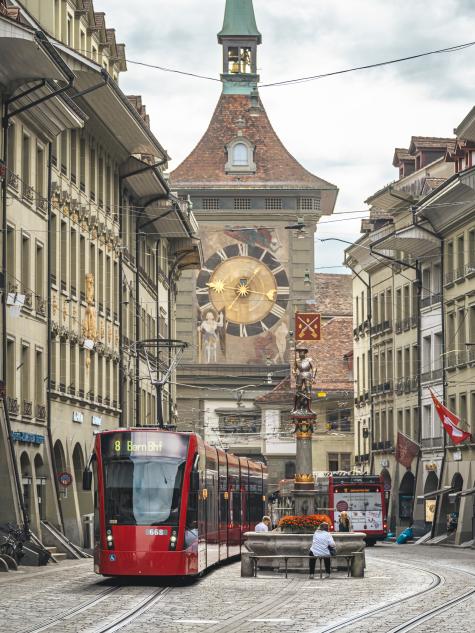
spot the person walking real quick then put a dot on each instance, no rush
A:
(321, 544)
(264, 525)
(344, 522)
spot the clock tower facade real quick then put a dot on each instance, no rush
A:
(237, 313)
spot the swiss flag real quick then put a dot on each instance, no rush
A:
(450, 421)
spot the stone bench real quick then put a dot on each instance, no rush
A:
(249, 562)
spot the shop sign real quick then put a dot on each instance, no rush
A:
(65, 479)
(28, 438)
(96, 420)
(78, 416)
(457, 456)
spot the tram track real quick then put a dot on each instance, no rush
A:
(65, 615)
(144, 604)
(132, 614)
(417, 620)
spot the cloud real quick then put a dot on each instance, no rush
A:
(342, 128)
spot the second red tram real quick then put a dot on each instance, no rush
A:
(168, 504)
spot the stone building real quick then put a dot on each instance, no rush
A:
(333, 439)
(409, 330)
(87, 272)
(246, 188)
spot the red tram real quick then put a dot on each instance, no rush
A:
(168, 504)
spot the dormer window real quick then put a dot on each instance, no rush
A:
(240, 156)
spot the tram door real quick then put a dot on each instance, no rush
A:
(473, 515)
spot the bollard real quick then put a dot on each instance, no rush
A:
(247, 565)
(357, 565)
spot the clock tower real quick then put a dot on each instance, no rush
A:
(237, 312)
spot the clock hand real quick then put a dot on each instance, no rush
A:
(270, 294)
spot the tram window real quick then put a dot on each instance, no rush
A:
(143, 492)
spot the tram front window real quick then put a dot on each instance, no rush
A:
(141, 491)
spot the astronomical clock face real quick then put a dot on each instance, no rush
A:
(247, 285)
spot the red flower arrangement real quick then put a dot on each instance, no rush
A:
(305, 523)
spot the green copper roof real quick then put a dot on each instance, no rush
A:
(239, 19)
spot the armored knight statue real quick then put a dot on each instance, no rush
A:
(304, 377)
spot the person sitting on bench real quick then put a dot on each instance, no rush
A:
(321, 544)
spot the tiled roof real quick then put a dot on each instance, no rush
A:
(430, 142)
(401, 154)
(333, 372)
(275, 166)
(333, 294)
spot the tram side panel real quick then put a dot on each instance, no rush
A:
(223, 509)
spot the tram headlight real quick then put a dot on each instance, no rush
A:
(110, 539)
(173, 539)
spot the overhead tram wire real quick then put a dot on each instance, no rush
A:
(440, 51)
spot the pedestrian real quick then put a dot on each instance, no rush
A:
(321, 544)
(264, 525)
(344, 522)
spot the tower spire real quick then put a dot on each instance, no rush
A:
(239, 38)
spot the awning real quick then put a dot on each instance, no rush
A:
(26, 56)
(390, 199)
(145, 180)
(412, 240)
(112, 106)
(436, 493)
(54, 115)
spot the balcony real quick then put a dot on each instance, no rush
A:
(459, 274)
(12, 406)
(434, 375)
(27, 410)
(28, 193)
(387, 445)
(63, 285)
(40, 412)
(432, 442)
(28, 300)
(431, 300)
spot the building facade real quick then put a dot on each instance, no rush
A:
(246, 189)
(419, 241)
(89, 276)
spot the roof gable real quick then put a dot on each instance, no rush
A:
(243, 116)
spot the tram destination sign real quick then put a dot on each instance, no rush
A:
(143, 444)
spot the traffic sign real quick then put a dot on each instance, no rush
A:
(65, 479)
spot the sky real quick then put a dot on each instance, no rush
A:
(343, 129)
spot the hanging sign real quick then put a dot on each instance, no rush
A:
(307, 326)
(65, 479)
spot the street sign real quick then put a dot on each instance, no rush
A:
(307, 326)
(65, 479)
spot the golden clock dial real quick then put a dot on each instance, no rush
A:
(245, 288)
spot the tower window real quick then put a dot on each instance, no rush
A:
(310, 204)
(273, 203)
(210, 203)
(239, 60)
(242, 203)
(240, 155)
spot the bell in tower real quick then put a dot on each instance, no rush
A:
(239, 38)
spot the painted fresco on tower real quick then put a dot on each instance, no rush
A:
(242, 296)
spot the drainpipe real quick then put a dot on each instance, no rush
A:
(438, 501)
(49, 363)
(369, 311)
(137, 328)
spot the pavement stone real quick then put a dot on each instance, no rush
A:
(223, 602)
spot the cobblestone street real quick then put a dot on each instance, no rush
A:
(401, 583)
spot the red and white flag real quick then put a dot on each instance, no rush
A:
(450, 421)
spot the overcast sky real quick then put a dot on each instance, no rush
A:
(344, 128)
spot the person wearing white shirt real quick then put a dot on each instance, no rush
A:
(321, 542)
(264, 525)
